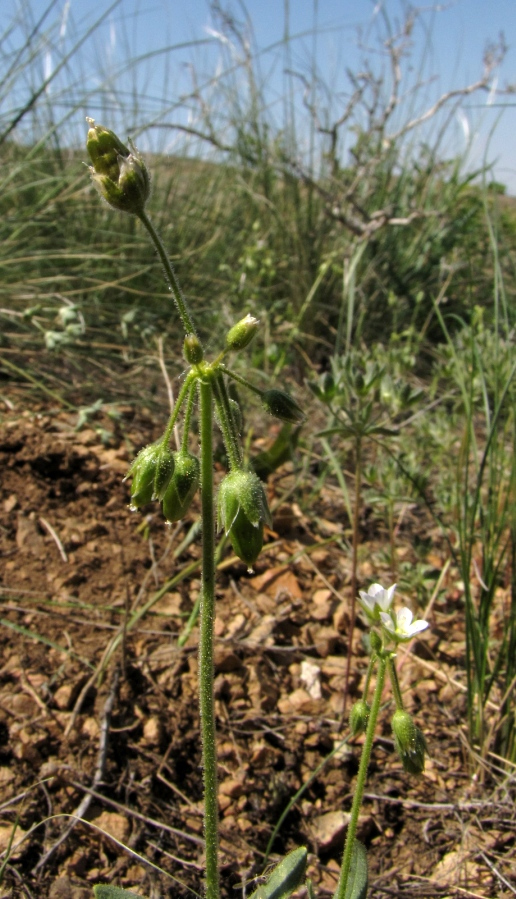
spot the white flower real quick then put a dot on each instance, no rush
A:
(400, 625)
(376, 601)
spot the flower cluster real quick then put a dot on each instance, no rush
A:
(118, 172)
(377, 606)
(399, 627)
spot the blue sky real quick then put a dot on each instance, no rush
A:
(450, 52)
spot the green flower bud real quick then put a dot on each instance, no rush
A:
(358, 717)
(409, 742)
(183, 486)
(164, 471)
(241, 334)
(192, 349)
(120, 174)
(143, 471)
(243, 509)
(281, 405)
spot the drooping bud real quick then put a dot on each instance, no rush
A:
(118, 172)
(192, 349)
(243, 509)
(359, 716)
(409, 742)
(281, 405)
(241, 334)
(182, 487)
(143, 471)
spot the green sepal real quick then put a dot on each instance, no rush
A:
(119, 173)
(182, 487)
(143, 471)
(242, 512)
(283, 406)
(192, 349)
(104, 149)
(246, 538)
(241, 334)
(409, 742)
(358, 717)
(286, 877)
(164, 472)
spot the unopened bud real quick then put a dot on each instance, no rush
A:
(241, 334)
(192, 349)
(409, 742)
(243, 509)
(358, 717)
(143, 471)
(281, 405)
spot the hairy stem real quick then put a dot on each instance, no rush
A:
(206, 700)
(393, 674)
(361, 780)
(175, 287)
(226, 421)
(354, 561)
(187, 386)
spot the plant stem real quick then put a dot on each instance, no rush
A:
(354, 561)
(361, 779)
(395, 684)
(206, 700)
(187, 386)
(175, 287)
(241, 380)
(188, 417)
(226, 421)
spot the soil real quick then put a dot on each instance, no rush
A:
(98, 701)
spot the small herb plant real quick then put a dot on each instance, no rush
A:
(173, 478)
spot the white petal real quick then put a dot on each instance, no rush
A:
(418, 626)
(388, 622)
(403, 620)
(390, 593)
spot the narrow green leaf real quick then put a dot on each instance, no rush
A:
(356, 886)
(285, 878)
